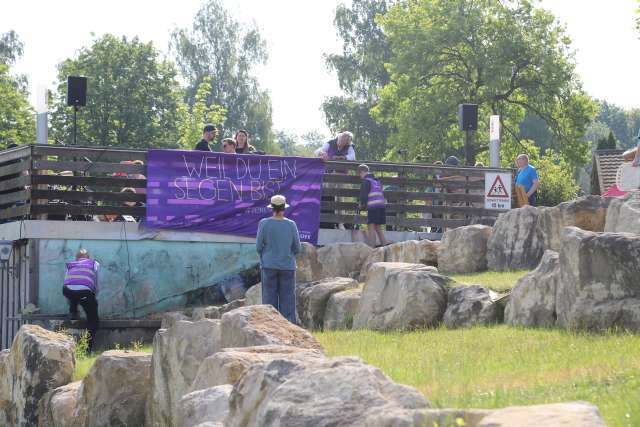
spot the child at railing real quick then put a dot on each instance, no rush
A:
(372, 199)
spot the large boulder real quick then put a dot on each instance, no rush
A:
(580, 414)
(410, 251)
(208, 405)
(587, 213)
(177, 355)
(115, 390)
(312, 299)
(532, 301)
(229, 364)
(341, 309)
(38, 362)
(253, 295)
(262, 325)
(316, 392)
(342, 259)
(623, 216)
(464, 249)
(170, 318)
(599, 278)
(470, 305)
(308, 269)
(516, 241)
(401, 296)
(57, 407)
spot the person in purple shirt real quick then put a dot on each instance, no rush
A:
(528, 178)
(80, 288)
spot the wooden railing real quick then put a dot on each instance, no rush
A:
(58, 182)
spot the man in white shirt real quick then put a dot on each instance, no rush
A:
(339, 148)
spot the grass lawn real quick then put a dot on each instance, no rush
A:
(492, 367)
(498, 282)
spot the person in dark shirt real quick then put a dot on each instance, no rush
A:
(209, 133)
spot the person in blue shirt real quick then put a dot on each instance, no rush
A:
(528, 178)
(278, 243)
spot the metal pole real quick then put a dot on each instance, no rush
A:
(75, 124)
(467, 147)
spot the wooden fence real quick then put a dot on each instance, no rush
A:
(82, 183)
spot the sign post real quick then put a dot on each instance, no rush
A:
(494, 141)
(497, 190)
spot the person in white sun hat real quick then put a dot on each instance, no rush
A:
(278, 244)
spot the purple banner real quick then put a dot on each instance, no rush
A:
(229, 193)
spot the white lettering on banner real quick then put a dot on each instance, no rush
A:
(497, 190)
(250, 179)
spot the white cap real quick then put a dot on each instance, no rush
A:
(278, 200)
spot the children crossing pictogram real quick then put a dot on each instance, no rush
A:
(498, 189)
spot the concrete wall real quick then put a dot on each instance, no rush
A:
(140, 277)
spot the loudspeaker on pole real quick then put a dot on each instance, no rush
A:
(76, 91)
(468, 116)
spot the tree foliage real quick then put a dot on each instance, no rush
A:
(218, 47)
(509, 57)
(133, 96)
(623, 123)
(11, 47)
(608, 143)
(17, 124)
(361, 74)
(193, 118)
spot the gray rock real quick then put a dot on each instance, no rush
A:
(170, 318)
(210, 405)
(312, 299)
(516, 241)
(342, 259)
(401, 296)
(410, 251)
(57, 407)
(229, 364)
(115, 390)
(468, 306)
(623, 216)
(308, 269)
(38, 362)
(262, 325)
(599, 281)
(177, 355)
(579, 414)
(331, 392)
(532, 301)
(253, 296)
(341, 309)
(464, 249)
(587, 213)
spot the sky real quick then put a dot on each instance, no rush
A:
(298, 34)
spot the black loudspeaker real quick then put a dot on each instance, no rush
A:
(76, 91)
(468, 116)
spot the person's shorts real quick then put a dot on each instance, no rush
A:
(377, 216)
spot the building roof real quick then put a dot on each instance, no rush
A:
(605, 168)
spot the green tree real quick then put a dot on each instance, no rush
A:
(11, 47)
(615, 117)
(361, 74)
(17, 123)
(219, 47)
(193, 118)
(608, 143)
(510, 58)
(133, 96)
